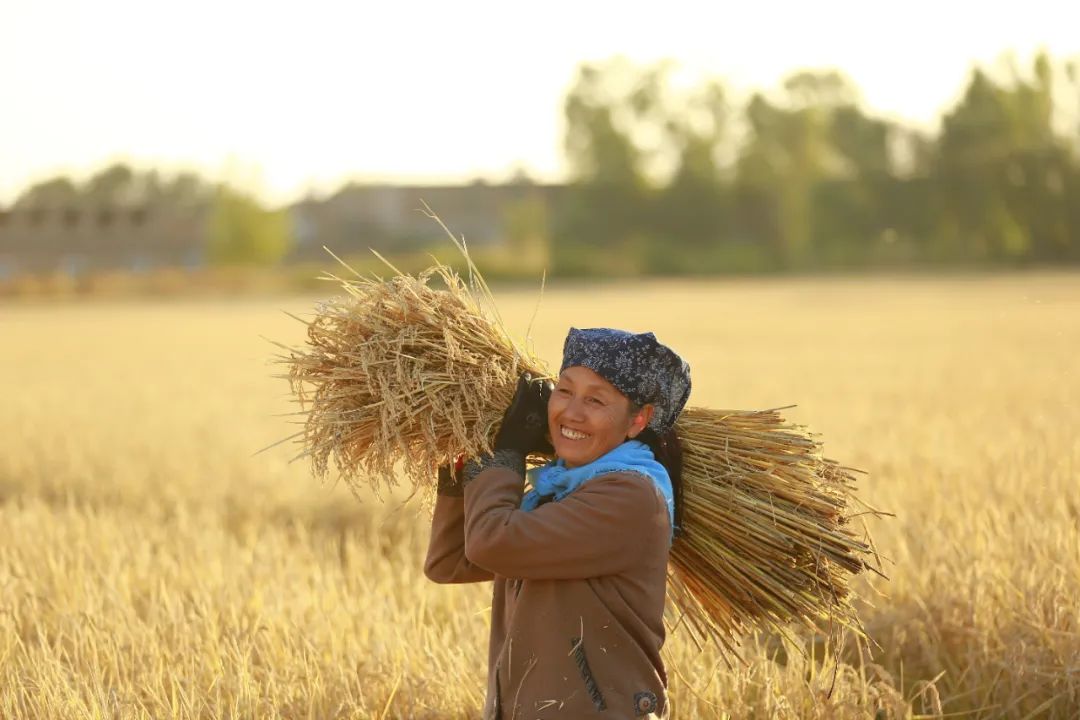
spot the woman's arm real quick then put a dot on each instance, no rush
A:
(446, 561)
(599, 529)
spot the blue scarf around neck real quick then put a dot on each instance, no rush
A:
(633, 456)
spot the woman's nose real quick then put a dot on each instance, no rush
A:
(574, 410)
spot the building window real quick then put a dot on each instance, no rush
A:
(105, 217)
(138, 216)
(71, 217)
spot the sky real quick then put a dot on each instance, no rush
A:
(296, 98)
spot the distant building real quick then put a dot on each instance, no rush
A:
(77, 240)
(389, 217)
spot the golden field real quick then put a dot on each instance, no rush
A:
(153, 566)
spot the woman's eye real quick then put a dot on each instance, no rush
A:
(562, 391)
(594, 401)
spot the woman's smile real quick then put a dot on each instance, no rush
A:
(571, 434)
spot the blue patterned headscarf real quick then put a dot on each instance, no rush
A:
(639, 367)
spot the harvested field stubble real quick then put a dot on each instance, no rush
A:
(152, 567)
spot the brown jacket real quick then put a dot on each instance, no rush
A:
(579, 586)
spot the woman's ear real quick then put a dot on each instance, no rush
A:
(640, 420)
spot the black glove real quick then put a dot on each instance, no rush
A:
(522, 433)
(524, 424)
(450, 479)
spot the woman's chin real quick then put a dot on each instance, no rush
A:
(573, 456)
(566, 454)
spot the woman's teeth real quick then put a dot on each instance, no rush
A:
(572, 434)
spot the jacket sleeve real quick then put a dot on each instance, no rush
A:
(596, 530)
(446, 561)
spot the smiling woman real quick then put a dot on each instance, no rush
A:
(579, 562)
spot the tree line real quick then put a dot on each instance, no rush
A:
(673, 179)
(676, 180)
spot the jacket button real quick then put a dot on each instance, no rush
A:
(644, 703)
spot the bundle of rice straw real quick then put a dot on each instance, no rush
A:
(399, 377)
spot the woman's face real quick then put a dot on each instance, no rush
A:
(588, 417)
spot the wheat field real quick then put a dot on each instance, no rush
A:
(153, 566)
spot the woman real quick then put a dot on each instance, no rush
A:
(579, 562)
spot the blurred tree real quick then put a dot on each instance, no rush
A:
(865, 204)
(115, 185)
(242, 232)
(1071, 184)
(692, 211)
(604, 213)
(55, 193)
(789, 151)
(1002, 170)
(598, 149)
(862, 142)
(187, 188)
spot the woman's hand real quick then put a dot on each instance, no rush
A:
(522, 433)
(524, 423)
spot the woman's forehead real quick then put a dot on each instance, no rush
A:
(579, 375)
